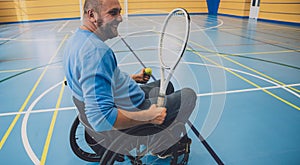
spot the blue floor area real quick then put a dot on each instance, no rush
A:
(246, 74)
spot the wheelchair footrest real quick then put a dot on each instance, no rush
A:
(181, 147)
(120, 158)
(184, 145)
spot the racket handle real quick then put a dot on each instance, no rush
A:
(161, 101)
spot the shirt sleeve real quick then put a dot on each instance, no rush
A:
(97, 73)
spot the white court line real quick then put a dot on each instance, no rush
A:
(38, 111)
(143, 33)
(200, 29)
(24, 136)
(26, 40)
(235, 70)
(247, 73)
(246, 90)
(199, 95)
(250, 74)
(63, 26)
(27, 69)
(151, 20)
(34, 158)
(51, 30)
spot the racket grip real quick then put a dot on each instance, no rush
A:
(161, 101)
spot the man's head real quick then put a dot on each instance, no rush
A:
(102, 17)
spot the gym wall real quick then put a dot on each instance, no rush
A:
(165, 6)
(276, 10)
(32, 10)
(29, 10)
(235, 7)
(26, 10)
(280, 10)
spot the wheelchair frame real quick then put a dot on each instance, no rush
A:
(81, 148)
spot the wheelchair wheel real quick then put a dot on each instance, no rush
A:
(79, 145)
(139, 151)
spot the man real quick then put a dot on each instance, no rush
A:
(112, 99)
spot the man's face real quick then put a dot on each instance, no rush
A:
(109, 19)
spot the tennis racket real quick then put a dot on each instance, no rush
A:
(172, 43)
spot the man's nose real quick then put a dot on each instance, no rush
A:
(119, 18)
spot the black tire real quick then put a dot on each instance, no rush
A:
(79, 145)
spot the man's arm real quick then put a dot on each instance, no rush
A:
(127, 119)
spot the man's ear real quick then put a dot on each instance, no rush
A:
(92, 15)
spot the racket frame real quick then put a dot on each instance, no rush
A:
(165, 81)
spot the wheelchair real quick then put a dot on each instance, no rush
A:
(137, 145)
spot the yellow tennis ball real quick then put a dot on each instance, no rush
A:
(148, 71)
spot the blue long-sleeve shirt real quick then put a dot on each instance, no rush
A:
(94, 77)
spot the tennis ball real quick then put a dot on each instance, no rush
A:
(148, 71)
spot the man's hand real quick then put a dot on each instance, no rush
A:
(156, 114)
(153, 115)
(141, 77)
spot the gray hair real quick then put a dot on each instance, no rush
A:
(92, 4)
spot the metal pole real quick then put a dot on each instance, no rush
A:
(126, 9)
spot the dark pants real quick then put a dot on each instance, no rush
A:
(179, 104)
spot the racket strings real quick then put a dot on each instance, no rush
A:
(173, 38)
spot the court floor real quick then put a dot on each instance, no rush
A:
(246, 75)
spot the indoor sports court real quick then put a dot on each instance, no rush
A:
(242, 58)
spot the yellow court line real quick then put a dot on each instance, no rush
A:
(248, 81)
(262, 74)
(12, 125)
(269, 52)
(251, 69)
(51, 128)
